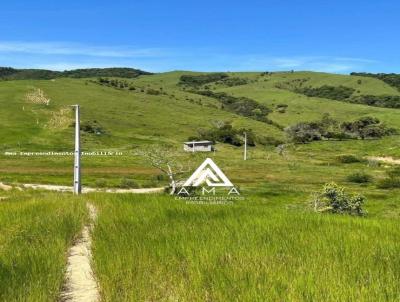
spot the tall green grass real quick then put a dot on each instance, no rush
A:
(262, 249)
(35, 235)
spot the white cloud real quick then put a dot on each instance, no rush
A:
(312, 63)
(63, 48)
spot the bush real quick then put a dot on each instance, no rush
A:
(334, 199)
(268, 140)
(152, 91)
(91, 127)
(347, 159)
(101, 183)
(395, 172)
(392, 181)
(329, 128)
(303, 133)
(239, 105)
(225, 133)
(233, 81)
(389, 183)
(339, 93)
(196, 80)
(359, 177)
(128, 183)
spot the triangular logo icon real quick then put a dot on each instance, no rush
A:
(209, 173)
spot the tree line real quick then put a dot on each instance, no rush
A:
(8, 73)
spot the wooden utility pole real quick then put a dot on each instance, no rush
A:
(77, 154)
(245, 147)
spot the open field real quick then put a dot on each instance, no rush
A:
(36, 230)
(163, 249)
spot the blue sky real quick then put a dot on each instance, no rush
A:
(331, 36)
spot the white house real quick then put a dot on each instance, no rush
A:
(198, 146)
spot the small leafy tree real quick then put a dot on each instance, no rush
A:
(334, 199)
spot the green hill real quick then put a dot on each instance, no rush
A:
(121, 114)
(8, 73)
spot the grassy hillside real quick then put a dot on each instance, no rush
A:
(271, 243)
(158, 109)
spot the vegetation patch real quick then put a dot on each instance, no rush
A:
(387, 101)
(240, 105)
(359, 177)
(339, 93)
(225, 133)
(333, 199)
(8, 73)
(348, 159)
(233, 81)
(329, 128)
(92, 127)
(198, 80)
(127, 183)
(393, 79)
(392, 180)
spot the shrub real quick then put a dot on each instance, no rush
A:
(225, 133)
(127, 183)
(101, 183)
(388, 101)
(152, 91)
(395, 172)
(239, 105)
(334, 199)
(359, 177)
(389, 183)
(329, 92)
(347, 159)
(268, 140)
(366, 127)
(392, 181)
(91, 127)
(196, 80)
(329, 128)
(303, 133)
(233, 81)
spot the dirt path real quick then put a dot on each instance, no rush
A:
(84, 189)
(5, 187)
(80, 282)
(386, 159)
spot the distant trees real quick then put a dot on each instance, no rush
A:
(339, 93)
(197, 80)
(392, 79)
(233, 81)
(240, 105)
(224, 132)
(387, 101)
(329, 128)
(366, 127)
(8, 73)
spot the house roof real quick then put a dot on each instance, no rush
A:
(198, 142)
